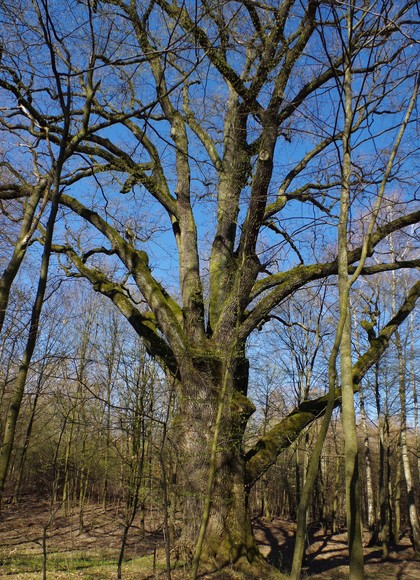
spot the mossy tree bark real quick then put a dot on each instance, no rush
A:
(228, 532)
(28, 226)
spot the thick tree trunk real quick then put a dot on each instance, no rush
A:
(228, 537)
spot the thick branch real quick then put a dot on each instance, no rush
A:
(166, 310)
(180, 15)
(264, 453)
(144, 323)
(285, 283)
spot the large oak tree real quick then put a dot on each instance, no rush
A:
(196, 153)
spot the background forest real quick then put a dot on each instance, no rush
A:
(96, 420)
(209, 253)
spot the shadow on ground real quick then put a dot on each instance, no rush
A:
(327, 554)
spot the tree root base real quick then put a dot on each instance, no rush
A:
(243, 569)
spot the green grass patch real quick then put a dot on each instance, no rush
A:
(26, 563)
(89, 565)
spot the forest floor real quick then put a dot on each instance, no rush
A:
(93, 554)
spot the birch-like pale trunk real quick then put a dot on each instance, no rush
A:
(414, 382)
(412, 508)
(383, 472)
(402, 391)
(368, 466)
(397, 497)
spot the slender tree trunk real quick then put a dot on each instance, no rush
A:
(131, 511)
(133, 494)
(353, 515)
(53, 508)
(264, 482)
(138, 444)
(123, 544)
(83, 488)
(412, 509)
(354, 524)
(16, 399)
(28, 226)
(336, 494)
(311, 475)
(65, 499)
(368, 467)
(397, 497)
(402, 384)
(142, 526)
(6, 378)
(166, 527)
(383, 473)
(370, 496)
(18, 485)
(107, 449)
(298, 467)
(172, 489)
(342, 344)
(112, 358)
(414, 381)
(265, 503)
(389, 479)
(323, 472)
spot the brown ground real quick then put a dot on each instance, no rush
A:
(327, 556)
(97, 547)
